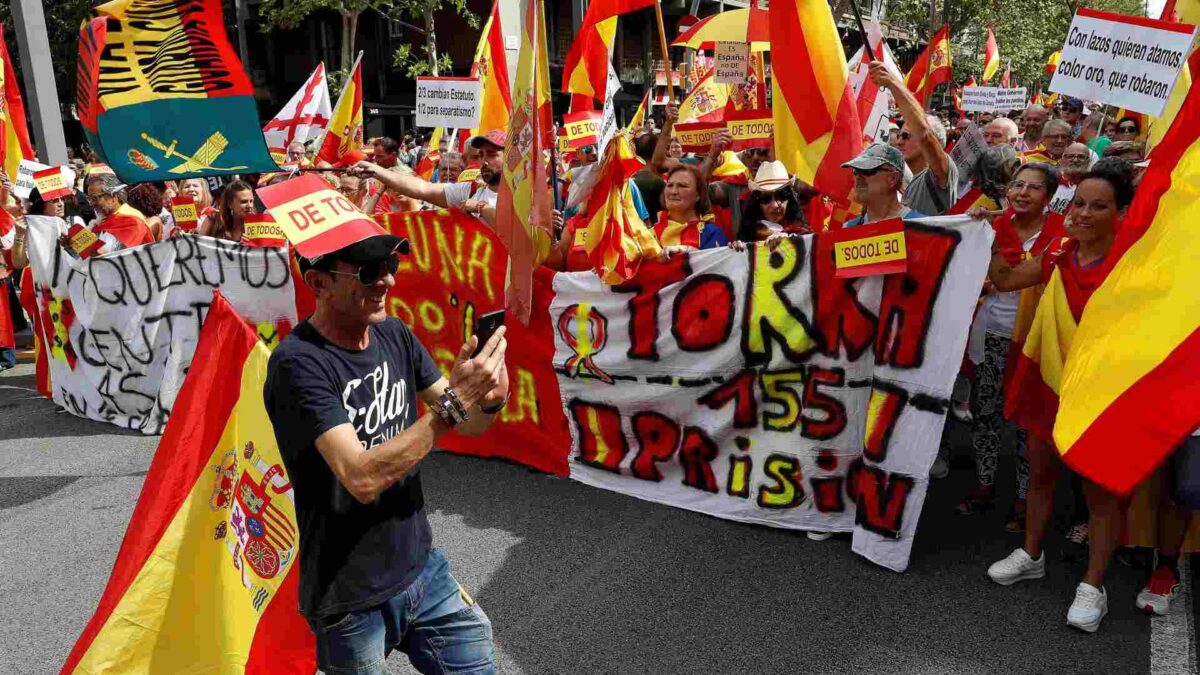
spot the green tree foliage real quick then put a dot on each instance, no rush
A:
(288, 14)
(1027, 31)
(424, 59)
(63, 18)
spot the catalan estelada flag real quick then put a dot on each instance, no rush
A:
(816, 118)
(343, 138)
(162, 95)
(1131, 388)
(585, 71)
(491, 67)
(523, 209)
(205, 580)
(991, 57)
(933, 67)
(14, 134)
(616, 239)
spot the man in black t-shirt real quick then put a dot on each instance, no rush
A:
(341, 392)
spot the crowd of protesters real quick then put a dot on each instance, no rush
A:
(1054, 183)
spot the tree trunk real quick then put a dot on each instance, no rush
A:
(349, 31)
(430, 39)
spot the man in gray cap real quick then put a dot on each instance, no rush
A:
(878, 178)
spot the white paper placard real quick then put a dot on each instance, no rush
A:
(732, 62)
(993, 99)
(1125, 61)
(451, 102)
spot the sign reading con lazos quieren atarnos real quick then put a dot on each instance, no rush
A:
(1125, 61)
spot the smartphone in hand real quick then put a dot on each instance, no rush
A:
(485, 327)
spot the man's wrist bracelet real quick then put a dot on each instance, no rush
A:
(449, 408)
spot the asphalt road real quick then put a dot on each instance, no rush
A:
(579, 580)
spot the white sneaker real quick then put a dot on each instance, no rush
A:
(819, 536)
(1017, 567)
(1089, 608)
(1158, 593)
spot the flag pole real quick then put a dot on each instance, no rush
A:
(862, 31)
(662, 43)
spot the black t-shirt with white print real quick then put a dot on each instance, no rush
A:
(352, 555)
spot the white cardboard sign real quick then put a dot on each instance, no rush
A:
(451, 102)
(25, 170)
(732, 62)
(1125, 61)
(993, 99)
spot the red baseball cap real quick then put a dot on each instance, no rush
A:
(494, 137)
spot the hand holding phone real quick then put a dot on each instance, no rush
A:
(485, 327)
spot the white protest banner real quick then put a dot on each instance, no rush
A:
(757, 387)
(1014, 98)
(731, 63)
(967, 151)
(451, 102)
(1125, 61)
(120, 329)
(25, 170)
(608, 123)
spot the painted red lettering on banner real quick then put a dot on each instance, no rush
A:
(658, 437)
(840, 319)
(696, 453)
(828, 494)
(740, 390)
(835, 413)
(787, 488)
(906, 309)
(703, 314)
(643, 306)
(601, 443)
(880, 498)
(883, 410)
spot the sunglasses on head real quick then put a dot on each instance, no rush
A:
(372, 272)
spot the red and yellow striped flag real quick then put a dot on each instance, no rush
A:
(585, 71)
(932, 67)
(491, 67)
(523, 210)
(816, 121)
(1131, 388)
(616, 239)
(1154, 129)
(639, 116)
(991, 57)
(1052, 63)
(344, 136)
(205, 580)
(14, 136)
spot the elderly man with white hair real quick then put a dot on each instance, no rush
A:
(934, 187)
(1001, 131)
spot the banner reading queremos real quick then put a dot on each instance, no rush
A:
(758, 387)
(120, 329)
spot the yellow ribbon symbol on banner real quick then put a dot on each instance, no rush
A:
(588, 337)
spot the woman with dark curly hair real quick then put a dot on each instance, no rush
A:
(147, 198)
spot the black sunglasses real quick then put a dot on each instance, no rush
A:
(868, 172)
(372, 272)
(782, 195)
(1131, 129)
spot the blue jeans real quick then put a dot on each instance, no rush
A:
(433, 621)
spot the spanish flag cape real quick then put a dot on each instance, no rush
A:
(672, 233)
(128, 225)
(1033, 394)
(1038, 154)
(205, 580)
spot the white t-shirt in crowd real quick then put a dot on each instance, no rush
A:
(999, 310)
(1062, 198)
(457, 193)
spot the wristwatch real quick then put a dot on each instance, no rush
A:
(449, 408)
(493, 409)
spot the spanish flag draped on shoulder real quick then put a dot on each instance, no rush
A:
(343, 139)
(816, 119)
(523, 209)
(161, 95)
(616, 239)
(585, 71)
(1131, 388)
(491, 67)
(932, 67)
(14, 136)
(205, 580)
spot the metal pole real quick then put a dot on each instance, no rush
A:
(44, 112)
(243, 18)
(862, 31)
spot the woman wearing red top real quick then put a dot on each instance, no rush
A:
(1099, 203)
(1024, 230)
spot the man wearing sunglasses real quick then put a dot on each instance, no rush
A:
(341, 392)
(934, 186)
(878, 179)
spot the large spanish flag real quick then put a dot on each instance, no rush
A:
(816, 120)
(933, 67)
(1131, 389)
(616, 239)
(705, 102)
(14, 136)
(343, 138)
(523, 210)
(991, 57)
(585, 71)
(161, 94)
(204, 580)
(1185, 11)
(491, 67)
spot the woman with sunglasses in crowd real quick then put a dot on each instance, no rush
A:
(1071, 272)
(1024, 230)
(1128, 129)
(774, 211)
